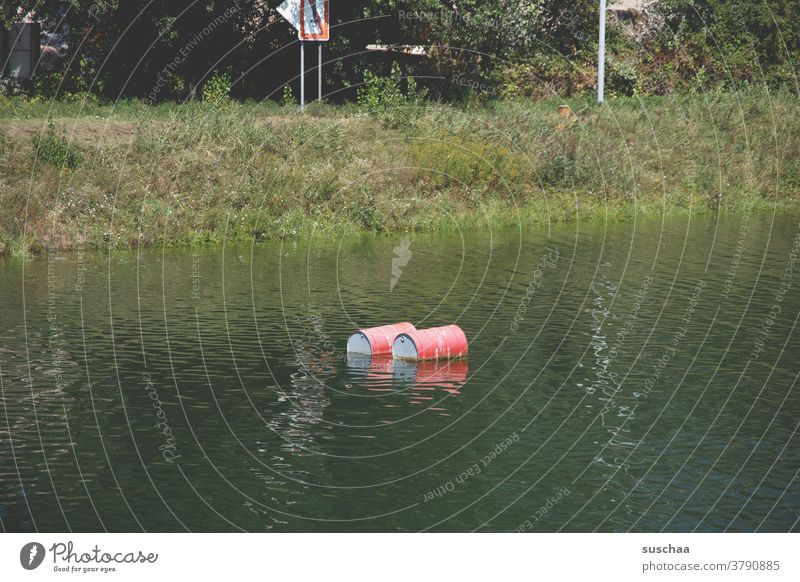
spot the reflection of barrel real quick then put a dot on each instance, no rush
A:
(444, 373)
(431, 344)
(418, 379)
(371, 372)
(380, 363)
(376, 340)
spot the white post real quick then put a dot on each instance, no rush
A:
(601, 54)
(319, 73)
(302, 76)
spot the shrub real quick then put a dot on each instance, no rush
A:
(381, 92)
(385, 95)
(217, 89)
(10, 87)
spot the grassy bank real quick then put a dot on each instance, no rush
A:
(91, 174)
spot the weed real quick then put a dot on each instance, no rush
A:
(287, 97)
(53, 148)
(365, 214)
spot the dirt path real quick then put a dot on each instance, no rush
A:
(87, 131)
(83, 131)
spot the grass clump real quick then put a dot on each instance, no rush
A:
(55, 149)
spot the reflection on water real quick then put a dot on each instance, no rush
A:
(633, 375)
(428, 383)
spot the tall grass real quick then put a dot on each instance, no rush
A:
(203, 172)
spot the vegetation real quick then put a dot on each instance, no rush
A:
(54, 149)
(222, 170)
(173, 51)
(177, 124)
(548, 47)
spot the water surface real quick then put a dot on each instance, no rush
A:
(620, 378)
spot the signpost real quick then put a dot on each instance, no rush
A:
(311, 19)
(601, 54)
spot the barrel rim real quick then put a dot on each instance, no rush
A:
(361, 335)
(415, 357)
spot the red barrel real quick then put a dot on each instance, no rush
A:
(431, 344)
(377, 340)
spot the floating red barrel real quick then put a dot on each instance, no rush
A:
(377, 340)
(431, 344)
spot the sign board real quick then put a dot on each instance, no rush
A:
(311, 18)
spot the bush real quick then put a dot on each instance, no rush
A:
(54, 149)
(385, 94)
(217, 89)
(381, 92)
(10, 87)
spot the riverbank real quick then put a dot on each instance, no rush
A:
(128, 174)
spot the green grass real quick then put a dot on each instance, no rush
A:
(198, 173)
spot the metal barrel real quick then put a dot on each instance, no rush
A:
(435, 343)
(377, 340)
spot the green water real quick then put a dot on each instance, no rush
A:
(619, 378)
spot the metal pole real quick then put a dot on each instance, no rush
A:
(601, 54)
(319, 75)
(302, 76)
